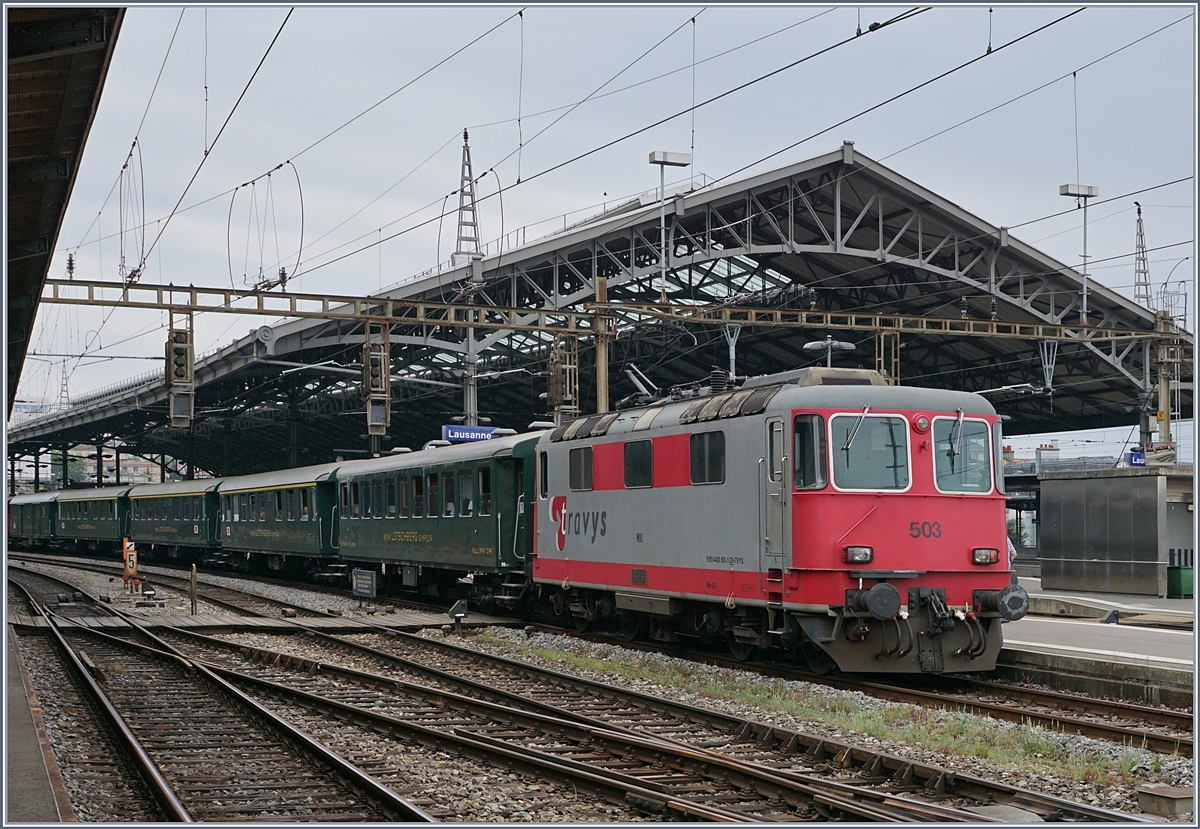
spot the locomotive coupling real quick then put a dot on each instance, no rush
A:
(1012, 602)
(882, 601)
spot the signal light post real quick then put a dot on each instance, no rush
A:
(180, 373)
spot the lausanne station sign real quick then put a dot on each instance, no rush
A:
(465, 434)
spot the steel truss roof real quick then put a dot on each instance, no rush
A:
(838, 234)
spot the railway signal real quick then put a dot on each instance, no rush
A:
(181, 379)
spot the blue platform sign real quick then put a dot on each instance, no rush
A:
(1137, 458)
(465, 434)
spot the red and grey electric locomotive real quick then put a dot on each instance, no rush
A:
(821, 511)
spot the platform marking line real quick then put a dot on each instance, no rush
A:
(1054, 620)
(1137, 657)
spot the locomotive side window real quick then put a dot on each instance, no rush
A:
(810, 453)
(581, 468)
(870, 451)
(485, 489)
(708, 458)
(998, 457)
(543, 475)
(961, 455)
(639, 464)
(775, 451)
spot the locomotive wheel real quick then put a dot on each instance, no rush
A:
(817, 660)
(580, 623)
(741, 651)
(631, 624)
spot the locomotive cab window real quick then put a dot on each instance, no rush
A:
(581, 468)
(869, 451)
(708, 458)
(775, 450)
(639, 464)
(962, 458)
(810, 454)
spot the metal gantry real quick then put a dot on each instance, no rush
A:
(837, 244)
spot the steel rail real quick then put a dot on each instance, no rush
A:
(1125, 735)
(151, 776)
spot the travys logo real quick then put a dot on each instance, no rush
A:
(587, 525)
(558, 516)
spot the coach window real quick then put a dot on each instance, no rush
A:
(305, 503)
(355, 500)
(262, 507)
(278, 516)
(366, 499)
(810, 454)
(466, 495)
(485, 489)
(404, 509)
(869, 451)
(543, 475)
(961, 456)
(418, 496)
(432, 505)
(291, 505)
(345, 499)
(390, 492)
(581, 468)
(708, 458)
(448, 508)
(377, 507)
(639, 464)
(231, 508)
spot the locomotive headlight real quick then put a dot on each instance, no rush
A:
(985, 555)
(921, 423)
(858, 555)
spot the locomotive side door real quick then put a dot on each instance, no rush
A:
(774, 501)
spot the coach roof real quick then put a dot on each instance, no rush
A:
(297, 476)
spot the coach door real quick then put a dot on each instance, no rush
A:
(774, 502)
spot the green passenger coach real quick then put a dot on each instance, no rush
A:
(282, 514)
(33, 517)
(433, 517)
(94, 518)
(175, 516)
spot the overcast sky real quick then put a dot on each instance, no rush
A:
(1122, 124)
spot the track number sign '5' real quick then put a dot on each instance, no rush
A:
(925, 529)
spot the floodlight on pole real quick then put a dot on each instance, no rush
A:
(664, 160)
(1081, 192)
(828, 345)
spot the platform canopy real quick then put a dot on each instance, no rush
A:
(839, 236)
(58, 58)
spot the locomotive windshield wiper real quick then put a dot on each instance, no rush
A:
(854, 430)
(956, 447)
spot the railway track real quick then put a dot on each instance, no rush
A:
(800, 758)
(1162, 730)
(206, 751)
(1157, 729)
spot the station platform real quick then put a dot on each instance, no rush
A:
(34, 790)
(1130, 646)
